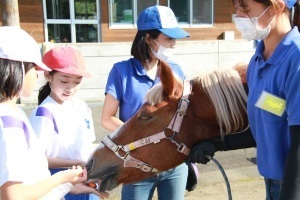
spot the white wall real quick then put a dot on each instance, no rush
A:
(194, 56)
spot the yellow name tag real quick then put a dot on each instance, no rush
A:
(271, 103)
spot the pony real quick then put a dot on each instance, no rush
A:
(176, 115)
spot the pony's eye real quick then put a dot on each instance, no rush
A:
(144, 117)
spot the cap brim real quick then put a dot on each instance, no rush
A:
(176, 33)
(75, 71)
(42, 66)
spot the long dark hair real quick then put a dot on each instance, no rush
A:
(139, 48)
(45, 90)
(295, 21)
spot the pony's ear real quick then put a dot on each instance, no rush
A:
(241, 68)
(168, 81)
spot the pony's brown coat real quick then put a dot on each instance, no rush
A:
(217, 106)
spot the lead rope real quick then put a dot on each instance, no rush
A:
(224, 175)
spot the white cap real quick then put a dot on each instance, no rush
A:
(18, 45)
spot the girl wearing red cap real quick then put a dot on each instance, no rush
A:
(63, 122)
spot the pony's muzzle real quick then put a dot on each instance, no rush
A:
(89, 165)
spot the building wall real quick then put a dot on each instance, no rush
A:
(195, 57)
(222, 22)
(31, 20)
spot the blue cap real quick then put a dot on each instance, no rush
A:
(163, 19)
(290, 3)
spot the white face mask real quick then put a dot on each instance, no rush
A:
(250, 29)
(162, 53)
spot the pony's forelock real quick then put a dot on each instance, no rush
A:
(155, 94)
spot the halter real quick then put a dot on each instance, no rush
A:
(174, 125)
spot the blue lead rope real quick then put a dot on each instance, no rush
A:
(224, 176)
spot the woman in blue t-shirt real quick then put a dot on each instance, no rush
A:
(273, 78)
(127, 85)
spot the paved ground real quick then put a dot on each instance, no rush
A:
(239, 165)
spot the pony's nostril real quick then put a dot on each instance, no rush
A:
(89, 165)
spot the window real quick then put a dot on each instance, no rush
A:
(193, 12)
(72, 20)
(189, 13)
(124, 13)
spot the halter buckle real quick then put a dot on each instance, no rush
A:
(118, 154)
(182, 148)
(182, 107)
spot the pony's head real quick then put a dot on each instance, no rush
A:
(171, 120)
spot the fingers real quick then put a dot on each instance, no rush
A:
(86, 189)
(193, 156)
(200, 152)
(204, 160)
(198, 156)
(103, 195)
(84, 173)
(96, 186)
(78, 169)
(77, 174)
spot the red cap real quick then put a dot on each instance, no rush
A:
(67, 60)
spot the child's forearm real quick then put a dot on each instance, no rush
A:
(59, 163)
(15, 190)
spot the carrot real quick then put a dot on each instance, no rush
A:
(92, 184)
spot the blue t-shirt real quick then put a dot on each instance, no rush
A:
(280, 76)
(129, 83)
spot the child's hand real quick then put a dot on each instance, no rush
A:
(81, 188)
(74, 175)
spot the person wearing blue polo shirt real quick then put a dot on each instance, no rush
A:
(273, 78)
(129, 81)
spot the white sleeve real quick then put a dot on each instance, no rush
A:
(58, 192)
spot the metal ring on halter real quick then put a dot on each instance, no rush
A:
(171, 137)
(173, 141)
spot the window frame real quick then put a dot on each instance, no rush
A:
(194, 25)
(72, 21)
(135, 16)
(125, 25)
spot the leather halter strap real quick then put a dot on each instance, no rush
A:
(129, 161)
(182, 107)
(174, 125)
